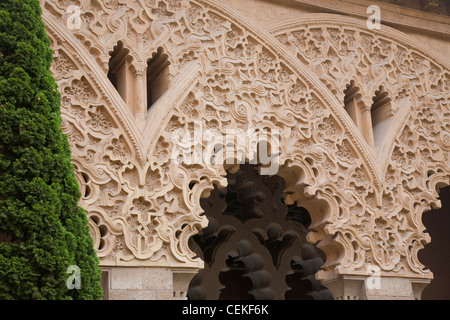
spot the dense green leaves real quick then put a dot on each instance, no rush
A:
(42, 229)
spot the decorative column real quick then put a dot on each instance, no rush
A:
(140, 104)
(366, 125)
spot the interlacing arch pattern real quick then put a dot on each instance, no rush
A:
(227, 74)
(414, 156)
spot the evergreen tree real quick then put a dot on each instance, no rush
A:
(43, 231)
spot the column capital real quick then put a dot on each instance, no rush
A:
(360, 287)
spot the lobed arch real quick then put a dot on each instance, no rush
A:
(150, 203)
(417, 83)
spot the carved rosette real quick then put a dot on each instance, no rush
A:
(144, 205)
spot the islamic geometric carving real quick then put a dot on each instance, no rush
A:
(226, 74)
(415, 82)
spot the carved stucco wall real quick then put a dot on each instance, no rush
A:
(226, 73)
(431, 30)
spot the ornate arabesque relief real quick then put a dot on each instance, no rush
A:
(414, 156)
(226, 74)
(341, 51)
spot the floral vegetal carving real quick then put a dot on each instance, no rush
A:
(228, 75)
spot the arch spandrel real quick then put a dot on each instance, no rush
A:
(149, 203)
(413, 158)
(340, 49)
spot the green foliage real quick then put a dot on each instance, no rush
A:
(42, 229)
